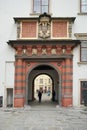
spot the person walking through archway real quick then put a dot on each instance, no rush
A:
(53, 95)
(40, 95)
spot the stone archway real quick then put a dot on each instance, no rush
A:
(43, 69)
(27, 70)
(61, 61)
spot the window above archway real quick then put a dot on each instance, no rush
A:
(40, 6)
(83, 6)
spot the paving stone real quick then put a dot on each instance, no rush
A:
(43, 117)
(70, 128)
(82, 128)
(38, 128)
(22, 128)
(54, 128)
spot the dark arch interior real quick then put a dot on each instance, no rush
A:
(43, 67)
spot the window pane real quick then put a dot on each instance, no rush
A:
(84, 51)
(83, 91)
(37, 6)
(84, 54)
(44, 2)
(41, 81)
(44, 9)
(84, 1)
(84, 8)
(84, 44)
(84, 84)
(41, 6)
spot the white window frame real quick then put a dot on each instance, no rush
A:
(83, 51)
(83, 6)
(41, 5)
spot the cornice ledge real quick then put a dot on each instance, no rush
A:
(81, 36)
(82, 63)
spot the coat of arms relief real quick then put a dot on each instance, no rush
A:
(44, 26)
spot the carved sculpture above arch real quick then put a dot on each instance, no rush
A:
(54, 50)
(34, 50)
(44, 26)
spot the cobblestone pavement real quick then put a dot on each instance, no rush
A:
(43, 116)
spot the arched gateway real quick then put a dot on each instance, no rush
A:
(59, 67)
(44, 45)
(43, 68)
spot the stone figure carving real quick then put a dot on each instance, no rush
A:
(44, 26)
(34, 51)
(53, 51)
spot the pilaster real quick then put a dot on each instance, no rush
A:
(67, 96)
(19, 84)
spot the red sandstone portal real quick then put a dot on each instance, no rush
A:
(22, 67)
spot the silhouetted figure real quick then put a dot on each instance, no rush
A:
(49, 91)
(40, 95)
(53, 95)
(45, 90)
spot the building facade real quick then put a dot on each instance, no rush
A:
(43, 37)
(43, 81)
